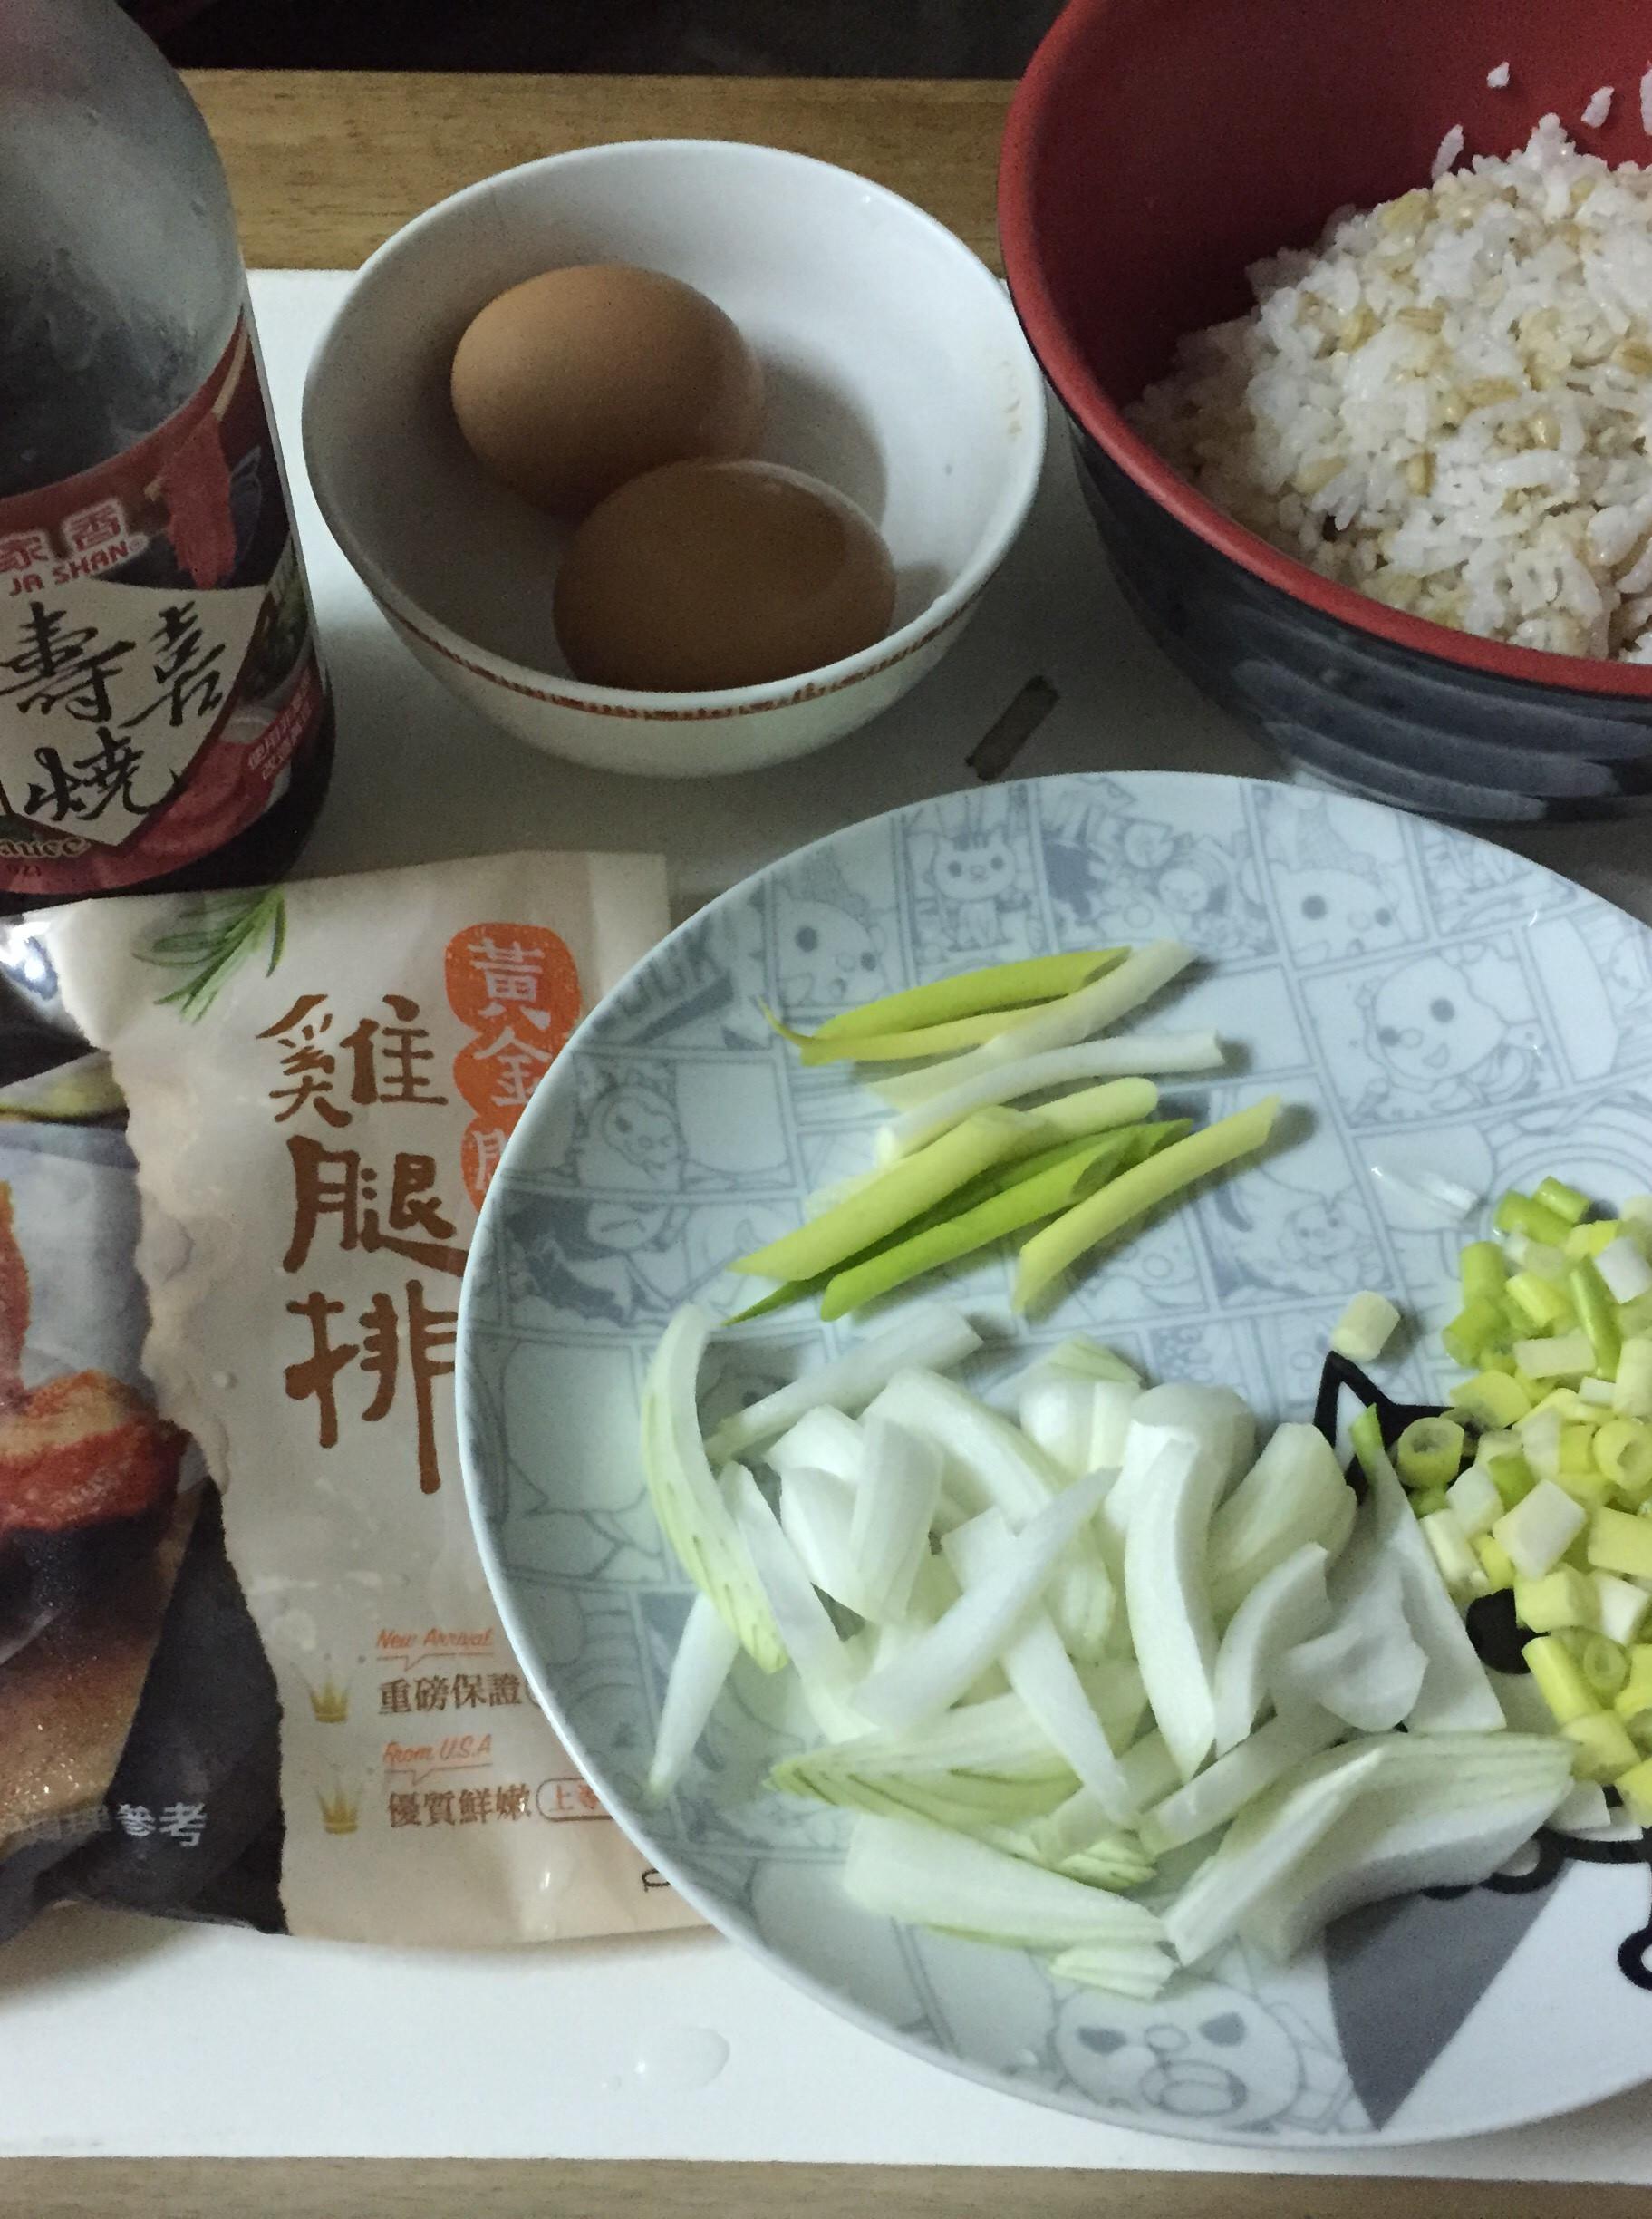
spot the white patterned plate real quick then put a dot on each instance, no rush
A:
(1435, 1004)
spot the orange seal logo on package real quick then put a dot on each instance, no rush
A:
(517, 989)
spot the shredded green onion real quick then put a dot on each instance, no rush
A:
(894, 1198)
(936, 1040)
(1020, 1205)
(1136, 1191)
(971, 994)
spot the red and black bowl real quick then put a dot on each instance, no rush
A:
(1155, 148)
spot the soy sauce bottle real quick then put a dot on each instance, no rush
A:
(165, 721)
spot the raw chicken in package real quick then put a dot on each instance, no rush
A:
(319, 1080)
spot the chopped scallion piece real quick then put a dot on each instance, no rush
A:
(1565, 1355)
(1622, 1449)
(1562, 1598)
(1624, 1270)
(1483, 1273)
(1479, 1327)
(1491, 1399)
(1635, 1791)
(1620, 1542)
(1459, 1566)
(1474, 1499)
(1539, 1258)
(1539, 1302)
(1494, 1563)
(1597, 1309)
(1553, 1193)
(1365, 1328)
(1601, 1747)
(1540, 1442)
(1559, 1680)
(1429, 1452)
(1632, 1391)
(1605, 1665)
(1512, 1478)
(1518, 1213)
(1540, 1529)
(1620, 1606)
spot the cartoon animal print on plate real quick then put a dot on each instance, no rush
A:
(1154, 1270)
(1595, 972)
(588, 1638)
(971, 881)
(722, 1798)
(601, 1526)
(1290, 1345)
(1212, 2055)
(1116, 871)
(830, 944)
(1215, 1353)
(1296, 1224)
(1432, 1037)
(823, 1931)
(1473, 885)
(623, 1247)
(701, 991)
(1339, 879)
(1601, 1139)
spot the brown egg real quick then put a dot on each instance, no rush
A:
(707, 575)
(567, 385)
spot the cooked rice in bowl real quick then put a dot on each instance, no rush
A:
(1447, 402)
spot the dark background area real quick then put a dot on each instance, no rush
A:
(836, 38)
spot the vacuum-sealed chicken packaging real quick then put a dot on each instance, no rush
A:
(237, 1580)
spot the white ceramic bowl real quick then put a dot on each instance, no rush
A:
(896, 371)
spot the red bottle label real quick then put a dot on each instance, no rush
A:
(159, 678)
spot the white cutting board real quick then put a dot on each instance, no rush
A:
(122, 2035)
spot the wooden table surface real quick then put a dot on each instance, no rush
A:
(326, 164)
(324, 167)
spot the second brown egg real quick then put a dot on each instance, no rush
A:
(704, 576)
